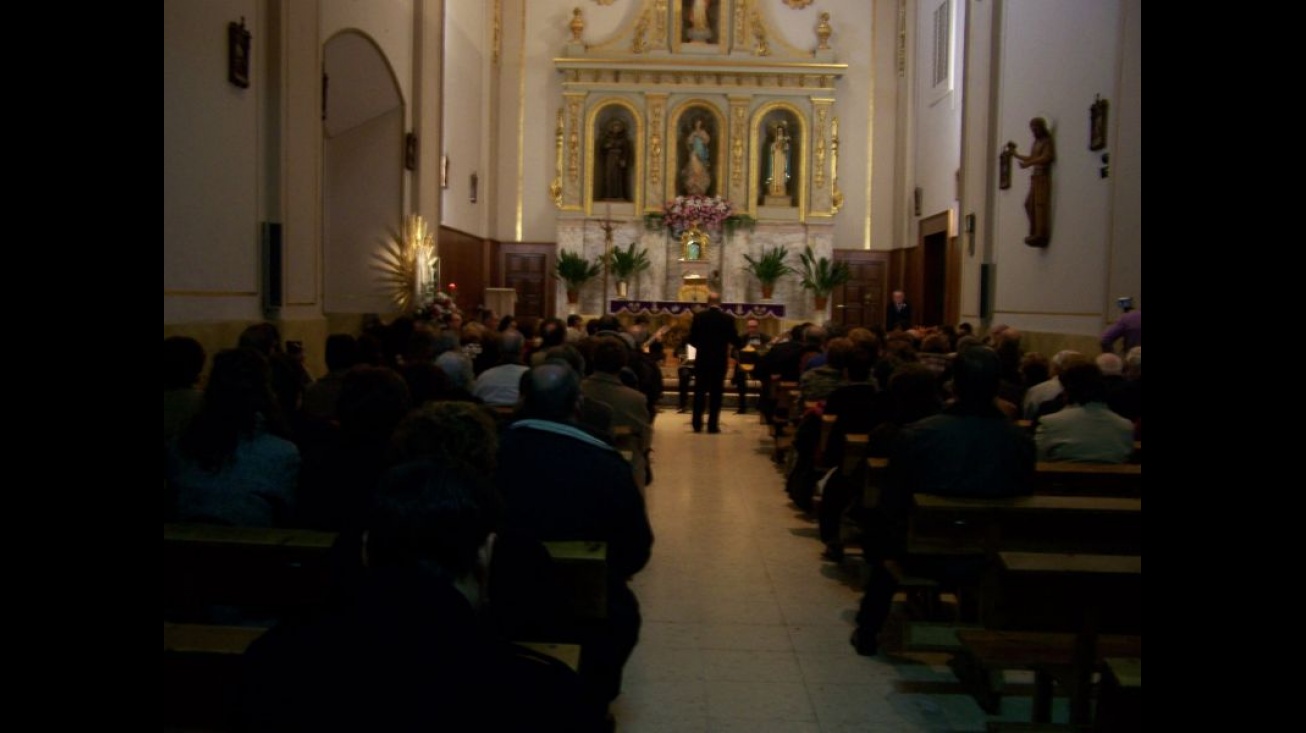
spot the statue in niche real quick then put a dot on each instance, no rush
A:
(696, 176)
(698, 27)
(614, 162)
(777, 162)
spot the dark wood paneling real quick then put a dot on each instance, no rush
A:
(463, 261)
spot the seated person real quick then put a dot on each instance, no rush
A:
(406, 652)
(1085, 430)
(558, 482)
(747, 358)
(970, 449)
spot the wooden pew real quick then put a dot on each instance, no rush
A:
(202, 674)
(1064, 478)
(942, 525)
(782, 420)
(581, 566)
(1120, 696)
(287, 569)
(274, 570)
(1047, 612)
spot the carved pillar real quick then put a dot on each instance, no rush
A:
(572, 180)
(660, 150)
(737, 177)
(822, 157)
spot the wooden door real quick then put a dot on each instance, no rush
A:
(525, 268)
(860, 301)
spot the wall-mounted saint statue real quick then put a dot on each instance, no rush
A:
(699, 21)
(696, 175)
(614, 160)
(777, 161)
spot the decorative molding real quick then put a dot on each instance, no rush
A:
(496, 39)
(573, 140)
(555, 188)
(660, 24)
(818, 176)
(761, 48)
(739, 127)
(902, 37)
(798, 4)
(639, 44)
(656, 109)
(836, 196)
(823, 31)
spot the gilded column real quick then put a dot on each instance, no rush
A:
(571, 187)
(738, 187)
(559, 143)
(821, 195)
(656, 105)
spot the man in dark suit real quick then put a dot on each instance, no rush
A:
(899, 315)
(712, 333)
(747, 358)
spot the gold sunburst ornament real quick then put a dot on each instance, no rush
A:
(411, 266)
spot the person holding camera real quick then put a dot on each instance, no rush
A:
(1129, 327)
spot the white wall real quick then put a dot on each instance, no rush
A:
(389, 23)
(364, 212)
(213, 188)
(1056, 56)
(467, 56)
(937, 114)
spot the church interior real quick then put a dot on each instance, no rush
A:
(331, 165)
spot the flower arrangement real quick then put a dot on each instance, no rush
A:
(438, 307)
(681, 212)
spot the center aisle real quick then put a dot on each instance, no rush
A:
(745, 628)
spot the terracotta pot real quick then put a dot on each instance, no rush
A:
(573, 297)
(821, 301)
(767, 290)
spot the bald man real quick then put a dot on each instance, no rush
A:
(558, 482)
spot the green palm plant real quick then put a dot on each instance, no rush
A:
(628, 262)
(573, 269)
(769, 267)
(821, 275)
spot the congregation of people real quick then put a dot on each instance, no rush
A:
(953, 414)
(444, 454)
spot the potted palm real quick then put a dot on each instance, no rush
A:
(822, 275)
(625, 264)
(769, 267)
(574, 270)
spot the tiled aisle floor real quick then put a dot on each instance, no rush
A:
(745, 628)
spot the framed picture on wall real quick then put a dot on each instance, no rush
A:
(238, 54)
(1097, 124)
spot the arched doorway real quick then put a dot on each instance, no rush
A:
(362, 173)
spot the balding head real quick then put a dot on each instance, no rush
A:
(551, 391)
(1110, 364)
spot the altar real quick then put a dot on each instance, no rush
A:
(679, 307)
(680, 312)
(698, 141)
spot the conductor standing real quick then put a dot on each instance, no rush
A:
(712, 334)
